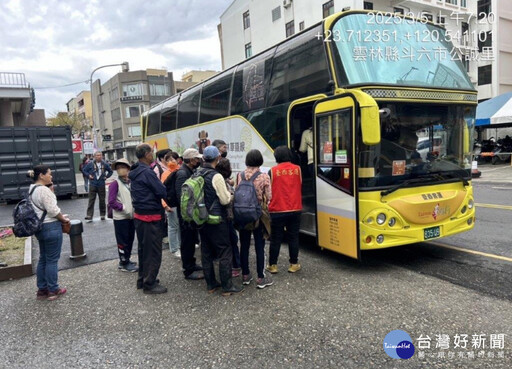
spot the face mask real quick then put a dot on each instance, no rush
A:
(121, 172)
(224, 154)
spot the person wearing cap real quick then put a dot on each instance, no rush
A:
(189, 234)
(147, 193)
(120, 203)
(98, 171)
(215, 238)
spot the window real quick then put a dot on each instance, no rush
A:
(159, 89)
(465, 33)
(428, 16)
(134, 131)
(463, 3)
(453, 2)
(133, 89)
(301, 26)
(485, 75)
(334, 149)
(290, 28)
(188, 107)
(276, 13)
(398, 10)
(328, 8)
(118, 134)
(484, 8)
(250, 83)
(247, 20)
(484, 40)
(368, 5)
(132, 111)
(248, 50)
(154, 122)
(215, 97)
(299, 69)
(441, 20)
(169, 115)
(116, 114)
(114, 94)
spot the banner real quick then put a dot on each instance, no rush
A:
(77, 146)
(88, 147)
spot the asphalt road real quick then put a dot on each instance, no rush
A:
(334, 313)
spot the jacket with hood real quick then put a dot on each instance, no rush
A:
(146, 189)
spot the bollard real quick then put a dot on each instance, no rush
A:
(75, 237)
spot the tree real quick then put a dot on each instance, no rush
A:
(77, 122)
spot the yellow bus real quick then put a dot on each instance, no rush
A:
(368, 89)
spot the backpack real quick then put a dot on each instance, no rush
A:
(246, 207)
(170, 186)
(26, 221)
(193, 207)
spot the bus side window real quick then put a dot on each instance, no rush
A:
(154, 122)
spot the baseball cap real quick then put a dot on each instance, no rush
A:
(211, 152)
(191, 154)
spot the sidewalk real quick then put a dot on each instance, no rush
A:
(501, 173)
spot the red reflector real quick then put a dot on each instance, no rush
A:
(368, 239)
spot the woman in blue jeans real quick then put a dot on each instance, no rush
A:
(49, 237)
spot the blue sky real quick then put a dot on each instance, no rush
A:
(56, 42)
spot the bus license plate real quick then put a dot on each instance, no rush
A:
(431, 232)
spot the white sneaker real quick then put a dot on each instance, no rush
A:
(177, 254)
(165, 240)
(197, 245)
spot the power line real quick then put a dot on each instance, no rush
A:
(69, 84)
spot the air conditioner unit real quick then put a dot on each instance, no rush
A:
(287, 3)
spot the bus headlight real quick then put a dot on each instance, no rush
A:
(392, 222)
(381, 219)
(471, 204)
(379, 238)
(369, 220)
(463, 210)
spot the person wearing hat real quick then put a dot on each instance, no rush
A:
(215, 237)
(189, 234)
(120, 204)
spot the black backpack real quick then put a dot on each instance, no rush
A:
(26, 221)
(170, 186)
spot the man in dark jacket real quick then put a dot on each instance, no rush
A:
(97, 171)
(147, 193)
(189, 233)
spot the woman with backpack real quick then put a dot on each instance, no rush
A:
(260, 183)
(44, 203)
(173, 224)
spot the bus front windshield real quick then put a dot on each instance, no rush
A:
(420, 144)
(375, 48)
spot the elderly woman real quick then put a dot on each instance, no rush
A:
(50, 236)
(120, 202)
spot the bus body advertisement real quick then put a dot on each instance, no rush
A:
(392, 112)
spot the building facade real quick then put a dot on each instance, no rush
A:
(481, 28)
(17, 99)
(118, 104)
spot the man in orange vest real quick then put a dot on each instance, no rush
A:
(285, 208)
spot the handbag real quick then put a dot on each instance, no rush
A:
(66, 227)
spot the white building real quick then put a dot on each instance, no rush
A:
(248, 27)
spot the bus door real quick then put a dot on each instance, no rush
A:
(335, 167)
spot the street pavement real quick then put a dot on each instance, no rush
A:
(334, 313)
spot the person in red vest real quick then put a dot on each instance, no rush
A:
(285, 208)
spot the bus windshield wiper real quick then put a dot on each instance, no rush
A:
(457, 175)
(400, 185)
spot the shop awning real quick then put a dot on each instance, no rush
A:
(495, 112)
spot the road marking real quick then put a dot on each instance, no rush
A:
(494, 206)
(493, 256)
(501, 188)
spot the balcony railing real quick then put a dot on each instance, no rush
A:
(13, 80)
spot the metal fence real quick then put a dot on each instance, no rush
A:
(15, 80)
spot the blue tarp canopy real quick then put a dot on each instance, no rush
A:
(495, 112)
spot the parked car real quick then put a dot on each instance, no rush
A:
(424, 146)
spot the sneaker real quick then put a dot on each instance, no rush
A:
(212, 289)
(103, 218)
(88, 219)
(272, 268)
(294, 268)
(55, 295)
(246, 278)
(197, 245)
(264, 282)
(129, 267)
(232, 291)
(195, 276)
(165, 240)
(139, 285)
(235, 273)
(158, 289)
(177, 254)
(42, 294)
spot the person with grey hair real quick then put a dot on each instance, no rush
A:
(98, 170)
(147, 193)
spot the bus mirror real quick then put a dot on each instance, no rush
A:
(370, 125)
(466, 148)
